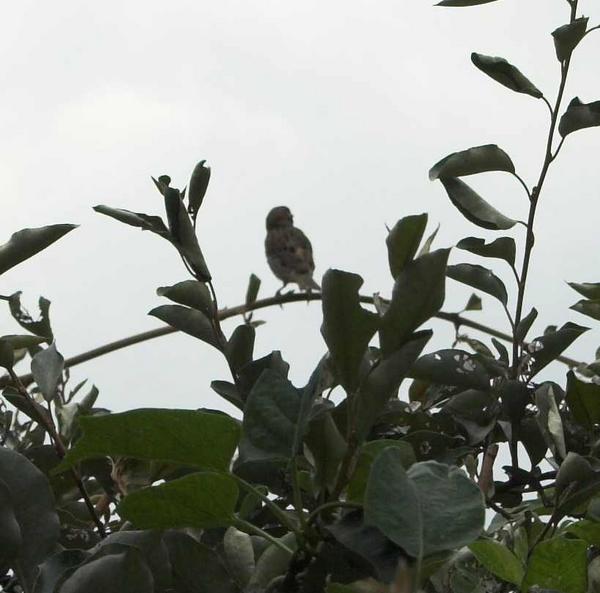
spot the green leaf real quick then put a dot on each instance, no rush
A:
(473, 207)
(27, 491)
(441, 507)
(273, 562)
(549, 420)
(525, 324)
(583, 400)
(270, 419)
(589, 308)
(240, 346)
(451, 367)
(590, 290)
(463, 2)
(418, 294)
(204, 500)
(506, 74)
(188, 437)
(11, 539)
(478, 159)
(474, 303)
(190, 321)
(480, 278)
(190, 293)
(145, 222)
(550, 346)
(404, 240)
(26, 243)
(252, 290)
(41, 326)
(574, 470)
(55, 567)
(239, 554)
(499, 560)
(368, 453)
(502, 248)
(198, 186)
(428, 242)
(579, 116)
(558, 563)
(47, 368)
(567, 37)
(347, 328)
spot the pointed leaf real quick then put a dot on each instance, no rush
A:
(191, 293)
(589, 308)
(478, 159)
(567, 37)
(47, 368)
(240, 346)
(347, 328)
(499, 560)
(252, 290)
(418, 294)
(41, 326)
(473, 207)
(474, 303)
(506, 74)
(404, 240)
(525, 324)
(190, 321)
(146, 222)
(579, 116)
(589, 290)
(480, 278)
(549, 420)
(547, 348)
(583, 400)
(502, 248)
(198, 186)
(26, 243)
(463, 2)
(428, 242)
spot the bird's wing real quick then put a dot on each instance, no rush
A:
(292, 249)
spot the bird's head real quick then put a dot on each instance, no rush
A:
(279, 217)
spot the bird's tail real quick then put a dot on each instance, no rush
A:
(309, 284)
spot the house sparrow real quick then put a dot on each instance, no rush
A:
(289, 252)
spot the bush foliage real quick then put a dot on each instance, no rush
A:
(376, 475)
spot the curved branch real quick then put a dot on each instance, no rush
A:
(283, 299)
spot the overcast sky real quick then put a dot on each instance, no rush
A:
(335, 109)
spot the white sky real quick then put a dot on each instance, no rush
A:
(336, 109)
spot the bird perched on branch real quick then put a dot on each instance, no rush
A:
(289, 252)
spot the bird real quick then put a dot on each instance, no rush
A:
(289, 252)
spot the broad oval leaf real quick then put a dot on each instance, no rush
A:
(26, 243)
(204, 500)
(480, 278)
(478, 159)
(579, 116)
(473, 207)
(451, 367)
(502, 248)
(583, 400)
(499, 560)
(190, 293)
(347, 328)
(404, 240)
(11, 539)
(567, 37)
(506, 74)
(190, 321)
(197, 189)
(47, 368)
(189, 437)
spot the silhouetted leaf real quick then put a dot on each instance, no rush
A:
(146, 222)
(545, 349)
(198, 186)
(240, 346)
(188, 437)
(499, 560)
(473, 207)
(204, 500)
(583, 400)
(41, 326)
(347, 328)
(502, 248)
(579, 116)
(590, 290)
(191, 293)
(525, 324)
(47, 368)
(589, 308)
(474, 303)
(567, 37)
(11, 539)
(463, 2)
(451, 367)
(478, 159)
(404, 240)
(190, 321)
(480, 278)
(506, 74)
(418, 294)
(252, 290)
(549, 420)
(55, 567)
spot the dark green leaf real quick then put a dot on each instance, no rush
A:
(558, 563)
(190, 321)
(204, 500)
(579, 116)
(478, 159)
(474, 303)
(270, 418)
(188, 437)
(473, 207)
(590, 290)
(191, 293)
(589, 308)
(198, 186)
(47, 368)
(525, 324)
(463, 2)
(146, 222)
(11, 539)
(26, 243)
(476, 411)
(502, 248)
(480, 278)
(502, 351)
(55, 567)
(506, 74)
(404, 240)
(272, 563)
(41, 326)
(549, 420)
(574, 470)
(32, 503)
(252, 290)
(428, 242)
(583, 400)
(347, 328)
(418, 294)
(240, 346)
(229, 392)
(567, 37)
(239, 554)
(499, 560)
(545, 349)
(452, 367)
